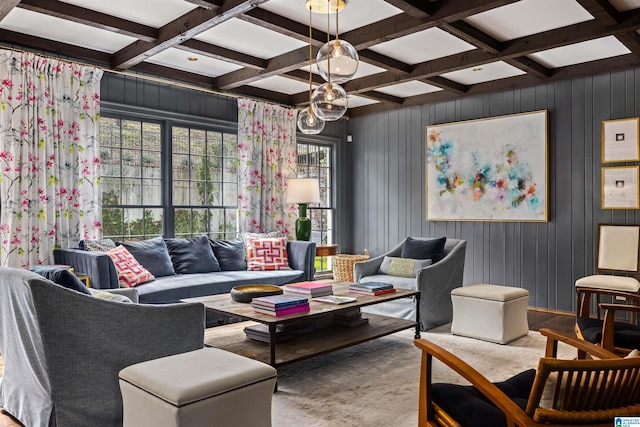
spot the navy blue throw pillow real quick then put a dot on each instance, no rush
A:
(64, 278)
(152, 254)
(424, 248)
(192, 255)
(230, 254)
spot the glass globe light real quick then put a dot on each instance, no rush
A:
(329, 102)
(308, 123)
(343, 60)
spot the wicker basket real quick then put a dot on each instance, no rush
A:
(343, 265)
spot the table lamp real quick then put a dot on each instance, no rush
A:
(303, 191)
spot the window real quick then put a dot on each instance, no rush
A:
(315, 161)
(131, 178)
(205, 189)
(194, 192)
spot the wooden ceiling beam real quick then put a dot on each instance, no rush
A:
(174, 74)
(474, 36)
(530, 66)
(303, 76)
(181, 29)
(383, 97)
(631, 40)
(6, 6)
(207, 4)
(279, 24)
(391, 65)
(268, 95)
(223, 54)
(81, 15)
(601, 10)
(415, 8)
(446, 84)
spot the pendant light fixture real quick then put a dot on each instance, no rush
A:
(308, 122)
(344, 59)
(329, 101)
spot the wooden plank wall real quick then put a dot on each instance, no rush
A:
(387, 171)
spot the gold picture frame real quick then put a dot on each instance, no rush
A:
(620, 187)
(620, 141)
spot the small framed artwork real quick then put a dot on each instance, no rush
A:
(620, 188)
(620, 140)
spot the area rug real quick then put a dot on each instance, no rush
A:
(376, 383)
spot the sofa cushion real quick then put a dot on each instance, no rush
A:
(170, 289)
(403, 267)
(424, 248)
(130, 271)
(153, 255)
(230, 254)
(110, 296)
(63, 278)
(267, 254)
(101, 245)
(191, 256)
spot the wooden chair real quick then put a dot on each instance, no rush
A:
(616, 278)
(586, 392)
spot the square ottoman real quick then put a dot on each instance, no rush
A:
(206, 387)
(490, 312)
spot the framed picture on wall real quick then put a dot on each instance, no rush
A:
(620, 140)
(620, 187)
(488, 170)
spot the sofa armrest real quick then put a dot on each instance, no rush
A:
(98, 265)
(302, 256)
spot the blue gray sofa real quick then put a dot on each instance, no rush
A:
(172, 288)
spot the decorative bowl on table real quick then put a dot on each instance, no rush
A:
(245, 293)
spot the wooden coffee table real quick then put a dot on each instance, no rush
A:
(303, 346)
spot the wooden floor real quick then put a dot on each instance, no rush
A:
(537, 320)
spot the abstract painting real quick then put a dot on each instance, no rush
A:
(488, 170)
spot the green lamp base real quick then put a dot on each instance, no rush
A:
(303, 224)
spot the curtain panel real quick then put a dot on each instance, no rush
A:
(49, 158)
(267, 156)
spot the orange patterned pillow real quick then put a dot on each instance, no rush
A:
(130, 272)
(267, 254)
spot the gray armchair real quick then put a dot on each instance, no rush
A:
(62, 350)
(434, 282)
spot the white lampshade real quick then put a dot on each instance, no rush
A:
(303, 190)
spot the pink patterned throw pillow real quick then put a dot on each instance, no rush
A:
(267, 254)
(130, 272)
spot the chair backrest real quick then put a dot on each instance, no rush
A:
(584, 391)
(618, 249)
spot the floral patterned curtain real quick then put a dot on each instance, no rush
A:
(49, 165)
(267, 156)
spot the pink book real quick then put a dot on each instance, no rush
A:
(291, 310)
(309, 285)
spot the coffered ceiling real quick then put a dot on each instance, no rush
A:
(411, 51)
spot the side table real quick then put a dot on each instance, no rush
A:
(326, 250)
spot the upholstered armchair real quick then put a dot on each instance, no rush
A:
(434, 281)
(62, 349)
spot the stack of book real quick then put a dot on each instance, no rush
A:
(279, 305)
(371, 288)
(260, 332)
(349, 317)
(310, 289)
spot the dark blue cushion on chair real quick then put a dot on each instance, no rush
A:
(192, 255)
(64, 278)
(424, 248)
(153, 255)
(470, 408)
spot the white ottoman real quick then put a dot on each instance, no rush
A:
(207, 387)
(490, 312)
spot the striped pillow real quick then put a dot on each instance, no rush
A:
(130, 272)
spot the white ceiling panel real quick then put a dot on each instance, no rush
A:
(624, 5)
(250, 39)
(49, 27)
(179, 59)
(154, 13)
(423, 46)
(591, 50)
(282, 85)
(407, 89)
(359, 101)
(356, 14)
(364, 70)
(484, 73)
(527, 17)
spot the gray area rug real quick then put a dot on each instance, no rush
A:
(376, 383)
